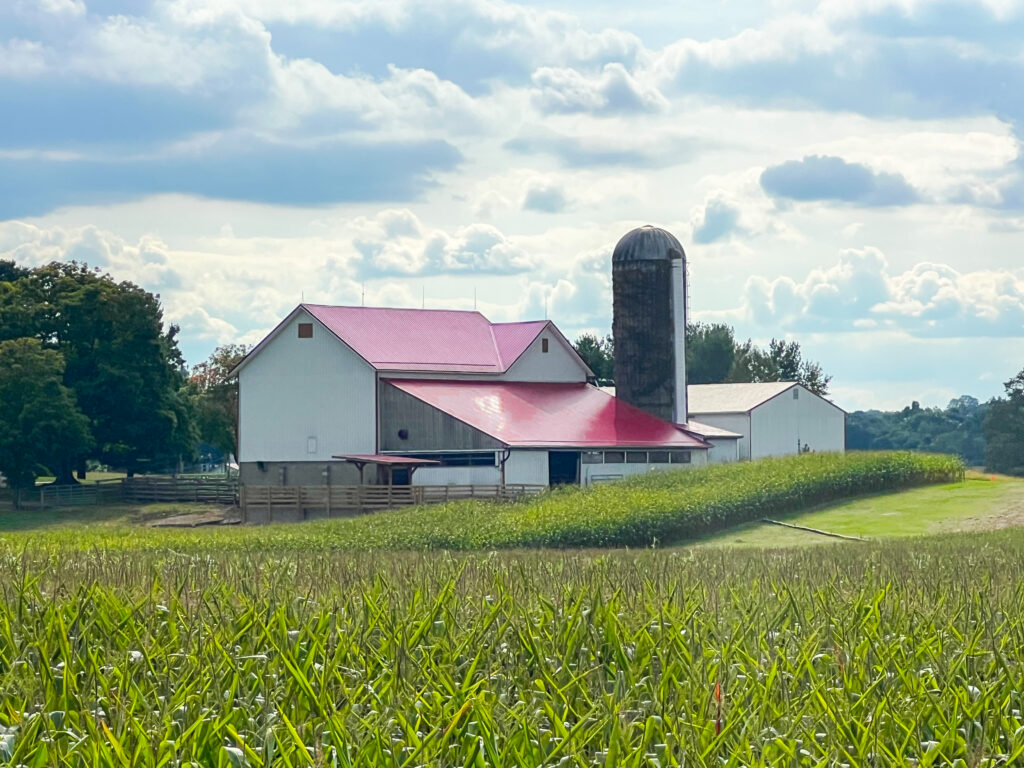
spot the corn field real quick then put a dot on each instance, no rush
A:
(852, 655)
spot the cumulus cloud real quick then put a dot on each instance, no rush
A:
(861, 292)
(825, 178)
(717, 221)
(545, 197)
(613, 90)
(395, 243)
(656, 149)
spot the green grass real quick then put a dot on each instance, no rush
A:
(978, 503)
(896, 654)
(655, 509)
(100, 520)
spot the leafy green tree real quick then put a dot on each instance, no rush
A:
(1004, 430)
(9, 271)
(598, 354)
(710, 353)
(126, 371)
(957, 429)
(781, 361)
(40, 423)
(215, 397)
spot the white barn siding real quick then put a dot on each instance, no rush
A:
(457, 476)
(558, 364)
(733, 422)
(723, 450)
(779, 425)
(305, 399)
(597, 473)
(526, 467)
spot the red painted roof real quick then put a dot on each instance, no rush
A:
(548, 415)
(428, 339)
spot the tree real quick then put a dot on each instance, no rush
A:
(598, 354)
(710, 352)
(40, 423)
(1004, 429)
(215, 397)
(9, 271)
(782, 361)
(124, 368)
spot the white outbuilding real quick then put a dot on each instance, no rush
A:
(774, 418)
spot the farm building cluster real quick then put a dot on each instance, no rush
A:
(355, 396)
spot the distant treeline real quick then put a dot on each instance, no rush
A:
(983, 434)
(958, 428)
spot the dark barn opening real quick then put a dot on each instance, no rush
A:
(563, 467)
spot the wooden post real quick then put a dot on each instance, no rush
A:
(270, 507)
(328, 501)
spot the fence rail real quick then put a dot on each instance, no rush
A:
(204, 490)
(267, 503)
(137, 490)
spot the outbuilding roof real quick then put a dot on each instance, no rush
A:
(733, 398)
(526, 414)
(438, 340)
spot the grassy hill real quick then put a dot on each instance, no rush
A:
(982, 503)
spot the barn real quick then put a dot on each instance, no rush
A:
(774, 418)
(365, 395)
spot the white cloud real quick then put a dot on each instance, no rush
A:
(614, 90)
(862, 293)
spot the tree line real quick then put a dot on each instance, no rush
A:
(715, 356)
(90, 375)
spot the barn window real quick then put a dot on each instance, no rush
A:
(305, 330)
(658, 457)
(636, 457)
(593, 457)
(544, 345)
(614, 457)
(681, 457)
(796, 394)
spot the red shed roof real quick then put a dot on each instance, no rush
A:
(526, 414)
(428, 339)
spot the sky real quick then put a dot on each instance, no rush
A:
(847, 173)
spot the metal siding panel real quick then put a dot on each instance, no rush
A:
(779, 423)
(530, 467)
(300, 388)
(429, 429)
(556, 365)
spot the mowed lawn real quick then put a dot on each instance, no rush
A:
(978, 504)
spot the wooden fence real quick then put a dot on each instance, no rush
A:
(267, 503)
(138, 490)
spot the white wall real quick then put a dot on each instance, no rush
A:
(592, 473)
(559, 363)
(780, 423)
(457, 476)
(723, 450)
(733, 422)
(297, 389)
(528, 467)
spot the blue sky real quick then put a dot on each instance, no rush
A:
(847, 174)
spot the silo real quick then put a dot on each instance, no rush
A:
(649, 322)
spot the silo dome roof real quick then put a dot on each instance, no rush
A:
(647, 243)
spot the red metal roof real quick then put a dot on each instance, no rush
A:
(428, 339)
(522, 414)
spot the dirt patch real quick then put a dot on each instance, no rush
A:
(1008, 513)
(228, 516)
